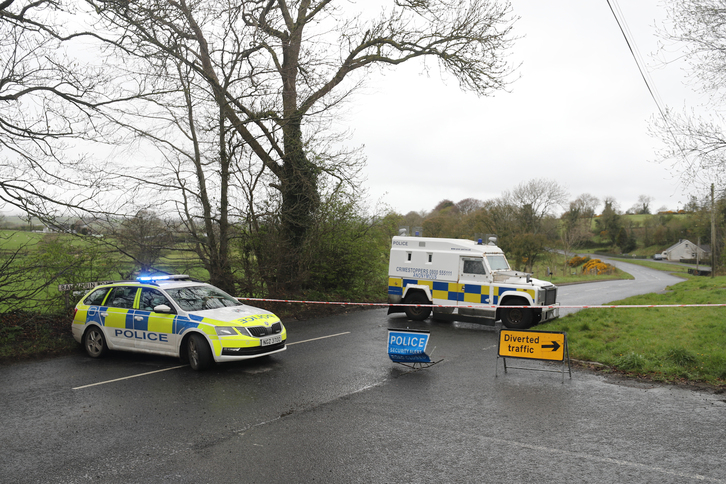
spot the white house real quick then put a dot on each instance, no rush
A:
(685, 249)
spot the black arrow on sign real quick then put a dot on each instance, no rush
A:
(555, 346)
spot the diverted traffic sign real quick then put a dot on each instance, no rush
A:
(537, 345)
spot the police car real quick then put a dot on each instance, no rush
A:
(175, 316)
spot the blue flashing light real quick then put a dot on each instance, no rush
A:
(151, 278)
(162, 277)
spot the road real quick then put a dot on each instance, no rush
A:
(645, 281)
(334, 408)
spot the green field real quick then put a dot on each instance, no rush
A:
(663, 344)
(659, 266)
(11, 240)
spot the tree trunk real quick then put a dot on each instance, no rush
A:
(300, 201)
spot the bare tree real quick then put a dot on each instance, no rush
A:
(522, 221)
(586, 204)
(536, 199)
(46, 97)
(696, 144)
(275, 69)
(469, 205)
(143, 238)
(642, 207)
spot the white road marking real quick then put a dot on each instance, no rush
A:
(128, 377)
(316, 339)
(182, 366)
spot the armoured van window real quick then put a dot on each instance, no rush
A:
(431, 258)
(498, 262)
(474, 266)
(408, 256)
(122, 297)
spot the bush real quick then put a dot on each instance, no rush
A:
(596, 266)
(344, 256)
(28, 334)
(577, 261)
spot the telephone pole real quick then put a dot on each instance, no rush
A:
(713, 233)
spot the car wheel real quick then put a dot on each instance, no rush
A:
(198, 352)
(417, 313)
(94, 342)
(517, 318)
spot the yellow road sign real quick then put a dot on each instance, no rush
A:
(538, 345)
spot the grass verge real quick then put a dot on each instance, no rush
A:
(659, 266)
(661, 344)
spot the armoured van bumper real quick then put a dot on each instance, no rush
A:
(550, 313)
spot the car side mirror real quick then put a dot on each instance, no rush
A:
(162, 308)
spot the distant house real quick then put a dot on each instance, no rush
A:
(52, 228)
(77, 227)
(685, 249)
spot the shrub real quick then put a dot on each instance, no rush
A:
(596, 266)
(577, 261)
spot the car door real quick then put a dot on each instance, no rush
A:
(118, 315)
(154, 331)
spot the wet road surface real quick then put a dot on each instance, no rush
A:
(334, 408)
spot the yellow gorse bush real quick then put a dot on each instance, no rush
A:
(577, 261)
(596, 266)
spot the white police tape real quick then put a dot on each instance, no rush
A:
(484, 306)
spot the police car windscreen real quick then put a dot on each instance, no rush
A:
(200, 298)
(498, 262)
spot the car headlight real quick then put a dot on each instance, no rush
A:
(226, 331)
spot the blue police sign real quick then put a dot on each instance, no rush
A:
(408, 346)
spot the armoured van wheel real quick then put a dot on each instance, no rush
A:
(517, 318)
(416, 313)
(94, 342)
(199, 354)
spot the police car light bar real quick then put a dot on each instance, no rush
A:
(165, 277)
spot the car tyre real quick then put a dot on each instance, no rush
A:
(517, 318)
(94, 342)
(417, 313)
(199, 354)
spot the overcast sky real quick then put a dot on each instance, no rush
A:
(579, 114)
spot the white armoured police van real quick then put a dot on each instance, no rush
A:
(459, 274)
